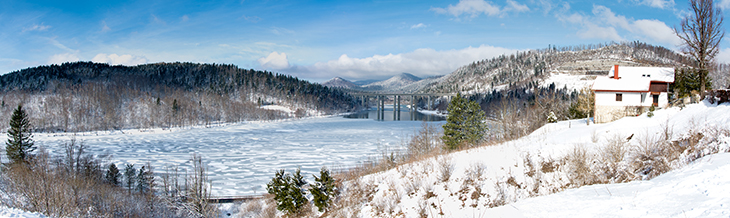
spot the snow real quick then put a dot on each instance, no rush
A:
(635, 84)
(570, 81)
(6, 212)
(278, 108)
(698, 190)
(500, 172)
(243, 157)
(662, 74)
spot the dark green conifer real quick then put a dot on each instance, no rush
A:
(20, 142)
(464, 124)
(323, 189)
(113, 174)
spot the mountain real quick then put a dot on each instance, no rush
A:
(84, 96)
(339, 82)
(404, 82)
(394, 82)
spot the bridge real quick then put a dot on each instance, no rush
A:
(380, 99)
(231, 199)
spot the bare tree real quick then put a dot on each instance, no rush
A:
(701, 33)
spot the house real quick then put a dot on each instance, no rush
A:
(629, 91)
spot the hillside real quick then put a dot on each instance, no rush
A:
(560, 157)
(539, 65)
(91, 96)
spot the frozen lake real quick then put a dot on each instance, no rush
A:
(243, 157)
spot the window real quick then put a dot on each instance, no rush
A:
(619, 97)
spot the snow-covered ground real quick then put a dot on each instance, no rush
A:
(6, 212)
(572, 82)
(502, 173)
(243, 157)
(701, 189)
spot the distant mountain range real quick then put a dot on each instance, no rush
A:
(404, 82)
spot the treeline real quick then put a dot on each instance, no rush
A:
(533, 65)
(85, 96)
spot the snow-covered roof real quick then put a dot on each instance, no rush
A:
(634, 78)
(658, 74)
(635, 84)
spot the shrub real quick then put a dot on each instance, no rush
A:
(651, 111)
(552, 118)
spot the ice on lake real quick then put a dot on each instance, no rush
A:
(243, 157)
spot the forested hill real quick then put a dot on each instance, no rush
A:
(91, 96)
(534, 66)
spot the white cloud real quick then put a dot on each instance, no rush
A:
(252, 19)
(63, 58)
(421, 62)
(657, 30)
(514, 6)
(605, 24)
(593, 31)
(723, 4)
(473, 8)
(723, 56)
(37, 27)
(114, 59)
(662, 4)
(104, 27)
(184, 18)
(274, 61)
(420, 25)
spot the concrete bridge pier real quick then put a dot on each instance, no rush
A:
(428, 105)
(382, 107)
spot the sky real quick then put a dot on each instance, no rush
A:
(318, 40)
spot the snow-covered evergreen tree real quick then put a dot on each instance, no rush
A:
(323, 189)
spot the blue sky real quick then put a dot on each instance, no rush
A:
(317, 40)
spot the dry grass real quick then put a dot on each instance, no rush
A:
(611, 166)
(579, 170)
(445, 167)
(52, 187)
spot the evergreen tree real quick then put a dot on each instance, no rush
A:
(323, 189)
(464, 123)
(20, 142)
(288, 191)
(687, 80)
(145, 179)
(297, 191)
(130, 176)
(113, 174)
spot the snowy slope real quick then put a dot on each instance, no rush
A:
(698, 190)
(490, 176)
(6, 212)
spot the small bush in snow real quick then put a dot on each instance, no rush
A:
(552, 118)
(651, 111)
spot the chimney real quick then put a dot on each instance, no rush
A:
(615, 71)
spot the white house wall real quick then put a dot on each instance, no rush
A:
(608, 109)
